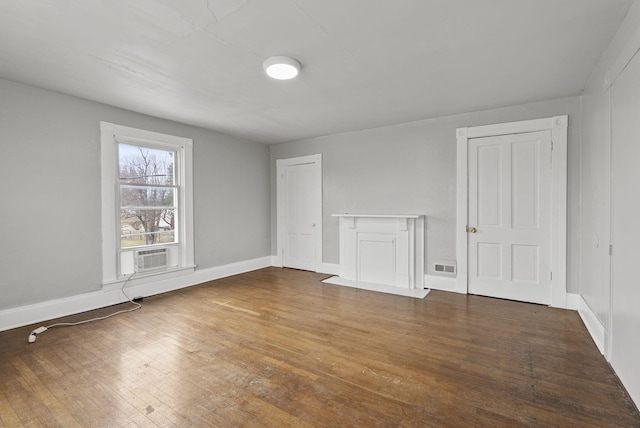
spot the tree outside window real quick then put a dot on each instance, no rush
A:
(148, 196)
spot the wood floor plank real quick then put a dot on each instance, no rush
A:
(277, 347)
(8, 416)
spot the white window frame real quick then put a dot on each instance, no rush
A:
(110, 136)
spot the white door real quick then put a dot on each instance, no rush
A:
(509, 234)
(625, 237)
(300, 213)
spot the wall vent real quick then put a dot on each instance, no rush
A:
(447, 267)
(147, 260)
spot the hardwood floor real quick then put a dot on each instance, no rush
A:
(276, 347)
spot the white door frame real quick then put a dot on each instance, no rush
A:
(558, 127)
(280, 204)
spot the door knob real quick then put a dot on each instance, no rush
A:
(472, 230)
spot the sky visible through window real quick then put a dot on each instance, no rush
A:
(127, 152)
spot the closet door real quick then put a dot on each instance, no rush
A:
(625, 226)
(299, 212)
(509, 239)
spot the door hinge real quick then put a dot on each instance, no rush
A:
(611, 250)
(550, 276)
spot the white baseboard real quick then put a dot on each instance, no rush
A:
(38, 312)
(443, 283)
(331, 268)
(573, 301)
(328, 268)
(593, 324)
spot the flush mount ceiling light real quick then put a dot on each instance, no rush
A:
(281, 67)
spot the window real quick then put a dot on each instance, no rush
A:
(147, 199)
(148, 195)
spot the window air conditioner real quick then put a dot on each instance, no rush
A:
(154, 259)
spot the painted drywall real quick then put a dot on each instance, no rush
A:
(50, 187)
(610, 290)
(411, 169)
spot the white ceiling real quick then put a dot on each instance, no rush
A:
(366, 63)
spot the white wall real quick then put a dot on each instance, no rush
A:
(600, 137)
(411, 169)
(50, 188)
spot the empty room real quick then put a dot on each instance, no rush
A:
(223, 213)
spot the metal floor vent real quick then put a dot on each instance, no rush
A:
(147, 260)
(445, 267)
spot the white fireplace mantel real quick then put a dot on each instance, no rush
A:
(382, 249)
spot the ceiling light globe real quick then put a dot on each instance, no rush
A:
(281, 67)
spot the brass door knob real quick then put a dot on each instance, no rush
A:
(473, 230)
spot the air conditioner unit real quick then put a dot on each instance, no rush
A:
(147, 260)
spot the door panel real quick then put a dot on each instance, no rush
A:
(489, 213)
(509, 205)
(525, 262)
(489, 260)
(525, 184)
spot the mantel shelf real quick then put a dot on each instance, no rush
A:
(378, 215)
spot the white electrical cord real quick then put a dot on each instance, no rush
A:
(34, 333)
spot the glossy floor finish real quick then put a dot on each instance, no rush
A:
(276, 347)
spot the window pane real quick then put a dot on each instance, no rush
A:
(145, 196)
(146, 227)
(146, 166)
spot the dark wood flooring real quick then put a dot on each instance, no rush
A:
(276, 348)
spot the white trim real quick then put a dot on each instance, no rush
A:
(558, 127)
(443, 283)
(110, 134)
(462, 209)
(573, 301)
(331, 268)
(521, 127)
(328, 268)
(593, 324)
(108, 183)
(39, 312)
(276, 261)
(280, 164)
(607, 221)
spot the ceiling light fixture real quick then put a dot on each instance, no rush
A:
(281, 67)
